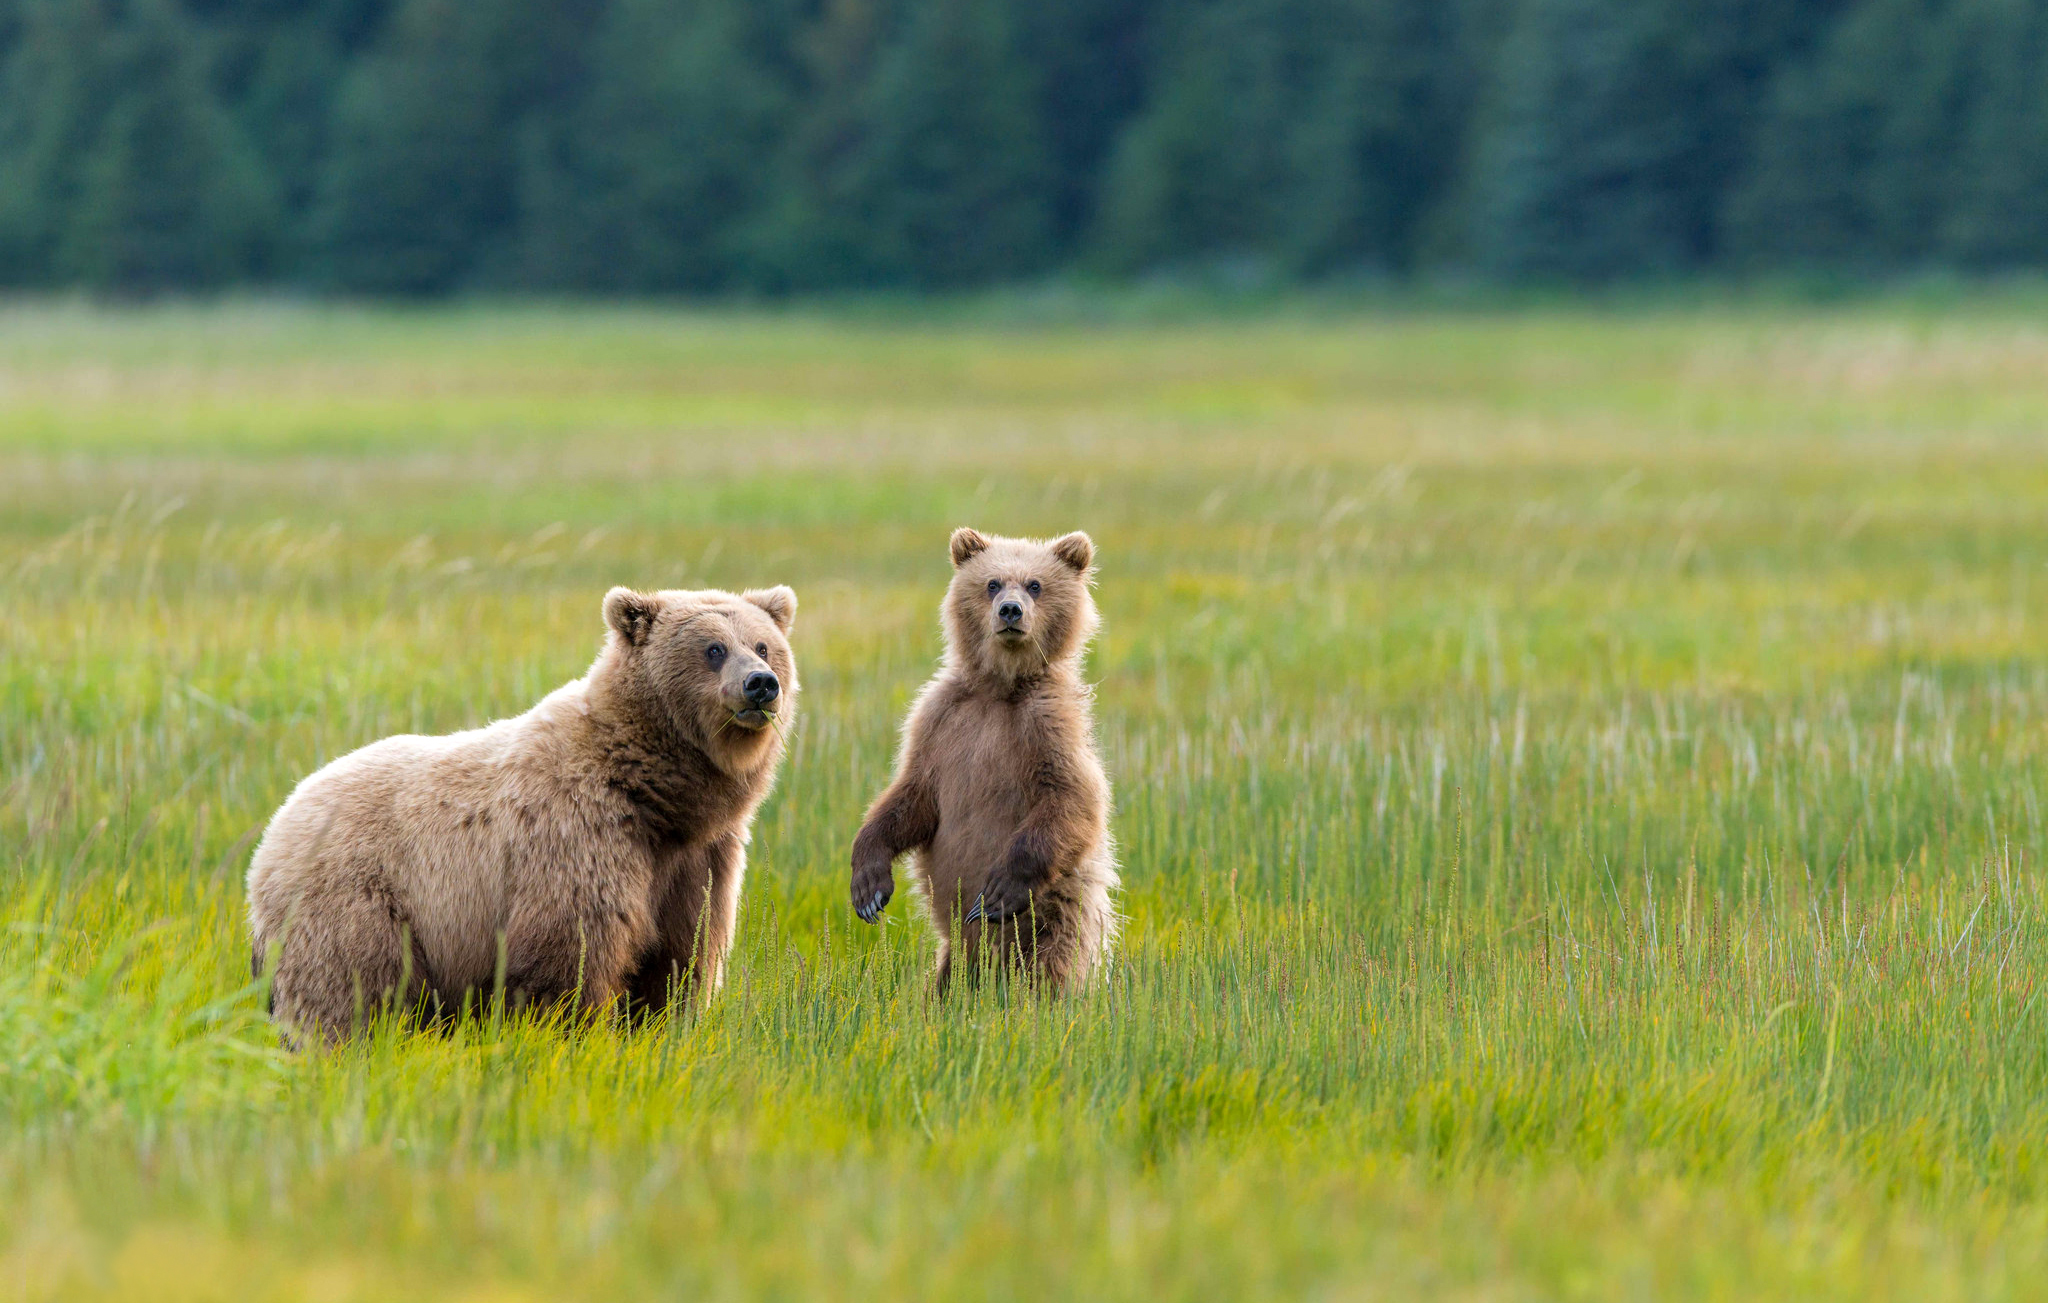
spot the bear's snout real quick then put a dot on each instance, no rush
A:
(761, 689)
(1010, 610)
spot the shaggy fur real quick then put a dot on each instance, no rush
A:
(999, 793)
(589, 850)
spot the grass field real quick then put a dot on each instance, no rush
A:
(1579, 781)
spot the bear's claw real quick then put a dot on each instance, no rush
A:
(991, 915)
(870, 909)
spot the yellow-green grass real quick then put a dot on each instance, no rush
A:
(1579, 782)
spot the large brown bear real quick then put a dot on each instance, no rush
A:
(589, 849)
(999, 793)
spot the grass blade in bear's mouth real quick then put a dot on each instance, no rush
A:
(753, 718)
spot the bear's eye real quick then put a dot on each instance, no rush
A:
(761, 650)
(1032, 588)
(994, 586)
(715, 653)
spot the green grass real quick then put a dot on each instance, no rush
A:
(1579, 779)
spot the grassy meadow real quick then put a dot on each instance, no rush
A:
(1579, 787)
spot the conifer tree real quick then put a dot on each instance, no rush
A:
(1619, 128)
(1306, 134)
(1998, 215)
(708, 146)
(53, 88)
(653, 177)
(119, 169)
(422, 189)
(950, 181)
(1857, 164)
(1087, 60)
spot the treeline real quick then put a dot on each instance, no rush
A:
(766, 146)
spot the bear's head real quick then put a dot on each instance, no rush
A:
(714, 666)
(1018, 605)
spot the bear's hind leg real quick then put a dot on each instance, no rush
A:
(991, 952)
(1075, 933)
(344, 960)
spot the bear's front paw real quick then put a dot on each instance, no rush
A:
(1002, 898)
(871, 891)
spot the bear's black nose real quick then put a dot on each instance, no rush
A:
(760, 688)
(1011, 612)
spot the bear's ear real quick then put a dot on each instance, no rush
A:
(779, 602)
(630, 613)
(1076, 549)
(966, 543)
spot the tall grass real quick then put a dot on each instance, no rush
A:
(1578, 778)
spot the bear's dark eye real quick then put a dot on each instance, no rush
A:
(761, 650)
(715, 653)
(994, 586)
(1032, 588)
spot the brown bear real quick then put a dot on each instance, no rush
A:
(999, 793)
(590, 849)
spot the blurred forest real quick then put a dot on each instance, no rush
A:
(417, 147)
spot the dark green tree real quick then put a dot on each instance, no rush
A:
(1378, 142)
(650, 181)
(421, 192)
(1998, 215)
(53, 88)
(421, 166)
(1201, 173)
(120, 169)
(170, 196)
(1307, 134)
(1088, 62)
(807, 234)
(707, 146)
(1618, 127)
(278, 66)
(1857, 163)
(949, 181)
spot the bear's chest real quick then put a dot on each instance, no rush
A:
(985, 759)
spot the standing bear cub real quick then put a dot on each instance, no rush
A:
(999, 793)
(590, 849)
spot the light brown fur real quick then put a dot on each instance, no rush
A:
(591, 849)
(999, 794)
